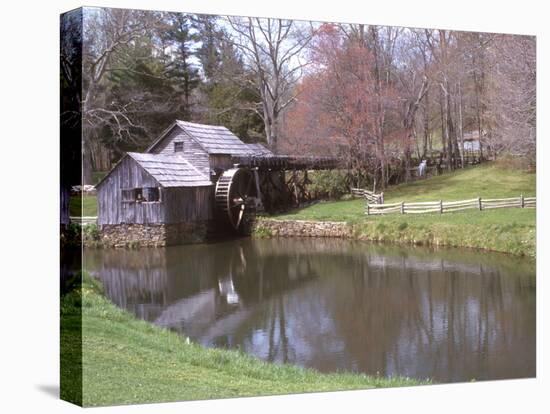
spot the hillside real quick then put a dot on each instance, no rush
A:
(486, 181)
(509, 230)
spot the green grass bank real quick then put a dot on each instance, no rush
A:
(86, 208)
(129, 361)
(507, 230)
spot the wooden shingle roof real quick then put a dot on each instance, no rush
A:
(171, 170)
(258, 149)
(215, 139)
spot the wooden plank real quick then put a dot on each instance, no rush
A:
(450, 203)
(386, 211)
(397, 208)
(429, 210)
(450, 210)
(490, 200)
(515, 203)
(469, 204)
(391, 209)
(499, 206)
(417, 207)
(384, 205)
(421, 204)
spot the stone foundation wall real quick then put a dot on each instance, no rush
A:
(152, 235)
(301, 228)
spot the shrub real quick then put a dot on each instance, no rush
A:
(381, 227)
(516, 162)
(328, 184)
(402, 226)
(262, 232)
(90, 232)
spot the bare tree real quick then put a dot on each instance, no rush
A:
(411, 107)
(105, 32)
(511, 96)
(272, 50)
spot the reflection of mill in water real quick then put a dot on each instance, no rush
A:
(212, 301)
(246, 281)
(194, 313)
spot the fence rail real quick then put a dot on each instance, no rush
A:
(83, 219)
(368, 195)
(449, 206)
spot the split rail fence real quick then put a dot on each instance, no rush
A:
(450, 206)
(83, 220)
(370, 196)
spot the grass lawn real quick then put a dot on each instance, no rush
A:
(97, 176)
(507, 230)
(89, 206)
(484, 181)
(128, 361)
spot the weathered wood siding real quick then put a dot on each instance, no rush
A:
(188, 204)
(220, 161)
(192, 151)
(177, 204)
(111, 210)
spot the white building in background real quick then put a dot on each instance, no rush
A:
(471, 141)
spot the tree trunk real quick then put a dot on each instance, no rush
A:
(453, 142)
(450, 136)
(426, 127)
(460, 125)
(86, 162)
(442, 113)
(478, 88)
(379, 110)
(407, 163)
(408, 124)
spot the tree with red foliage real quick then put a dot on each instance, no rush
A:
(341, 102)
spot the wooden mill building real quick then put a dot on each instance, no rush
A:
(192, 179)
(166, 195)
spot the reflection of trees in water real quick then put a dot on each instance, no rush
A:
(335, 305)
(451, 325)
(132, 279)
(453, 322)
(145, 281)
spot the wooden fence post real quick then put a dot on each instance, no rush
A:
(402, 207)
(522, 201)
(440, 206)
(382, 197)
(479, 203)
(368, 209)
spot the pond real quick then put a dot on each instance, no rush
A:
(336, 305)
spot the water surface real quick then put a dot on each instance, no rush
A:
(335, 305)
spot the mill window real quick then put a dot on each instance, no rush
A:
(132, 194)
(151, 194)
(140, 195)
(178, 146)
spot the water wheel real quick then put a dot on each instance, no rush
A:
(236, 196)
